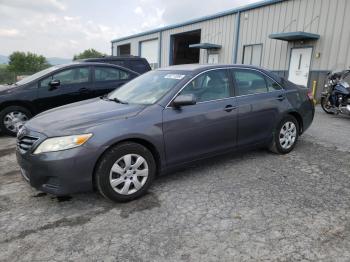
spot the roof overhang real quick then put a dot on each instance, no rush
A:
(294, 36)
(205, 46)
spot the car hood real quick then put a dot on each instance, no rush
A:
(81, 116)
(7, 88)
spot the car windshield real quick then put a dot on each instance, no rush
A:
(37, 75)
(147, 88)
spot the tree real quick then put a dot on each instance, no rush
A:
(88, 53)
(6, 76)
(21, 62)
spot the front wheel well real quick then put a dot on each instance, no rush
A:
(26, 105)
(140, 141)
(298, 117)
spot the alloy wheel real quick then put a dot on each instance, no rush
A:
(128, 174)
(13, 121)
(288, 134)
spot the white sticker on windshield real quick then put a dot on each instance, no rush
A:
(174, 76)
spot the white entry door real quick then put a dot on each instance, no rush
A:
(299, 66)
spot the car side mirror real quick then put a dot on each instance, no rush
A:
(184, 100)
(54, 84)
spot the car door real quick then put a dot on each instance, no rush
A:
(209, 126)
(108, 78)
(75, 85)
(260, 102)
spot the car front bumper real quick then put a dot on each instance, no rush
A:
(59, 173)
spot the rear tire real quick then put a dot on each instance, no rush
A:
(12, 118)
(324, 103)
(285, 136)
(125, 172)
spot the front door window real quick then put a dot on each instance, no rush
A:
(68, 77)
(209, 86)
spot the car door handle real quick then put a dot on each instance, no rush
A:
(84, 90)
(281, 97)
(229, 108)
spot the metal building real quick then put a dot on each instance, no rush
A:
(299, 39)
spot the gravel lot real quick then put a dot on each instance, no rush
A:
(238, 207)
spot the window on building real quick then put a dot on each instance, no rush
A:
(249, 82)
(252, 54)
(209, 86)
(110, 74)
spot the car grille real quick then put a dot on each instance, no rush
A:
(25, 143)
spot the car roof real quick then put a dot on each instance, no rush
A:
(79, 63)
(203, 67)
(126, 57)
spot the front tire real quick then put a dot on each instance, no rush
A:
(12, 118)
(125, 172)
(285, 135)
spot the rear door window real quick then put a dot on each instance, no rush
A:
(103, 74)
(272, 85)
(249, 82)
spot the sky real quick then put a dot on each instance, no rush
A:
(62, 28)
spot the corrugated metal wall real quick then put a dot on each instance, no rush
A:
(134, 43)
(328, 18)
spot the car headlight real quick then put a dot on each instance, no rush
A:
(62, 143)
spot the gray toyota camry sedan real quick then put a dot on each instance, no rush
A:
(159, 121)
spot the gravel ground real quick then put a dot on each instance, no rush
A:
(253, 206)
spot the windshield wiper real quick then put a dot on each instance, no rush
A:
(105, 97)
(117, 101)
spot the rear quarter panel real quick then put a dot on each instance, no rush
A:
(301, 104)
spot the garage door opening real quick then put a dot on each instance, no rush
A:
(123, 49)
(149, 50)
(181, 52)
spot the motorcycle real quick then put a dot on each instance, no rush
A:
(335, 98)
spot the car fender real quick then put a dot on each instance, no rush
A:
(156, 146)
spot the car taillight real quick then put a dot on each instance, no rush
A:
(309, 94)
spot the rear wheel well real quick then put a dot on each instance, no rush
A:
(140, 141)
(298, 117)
